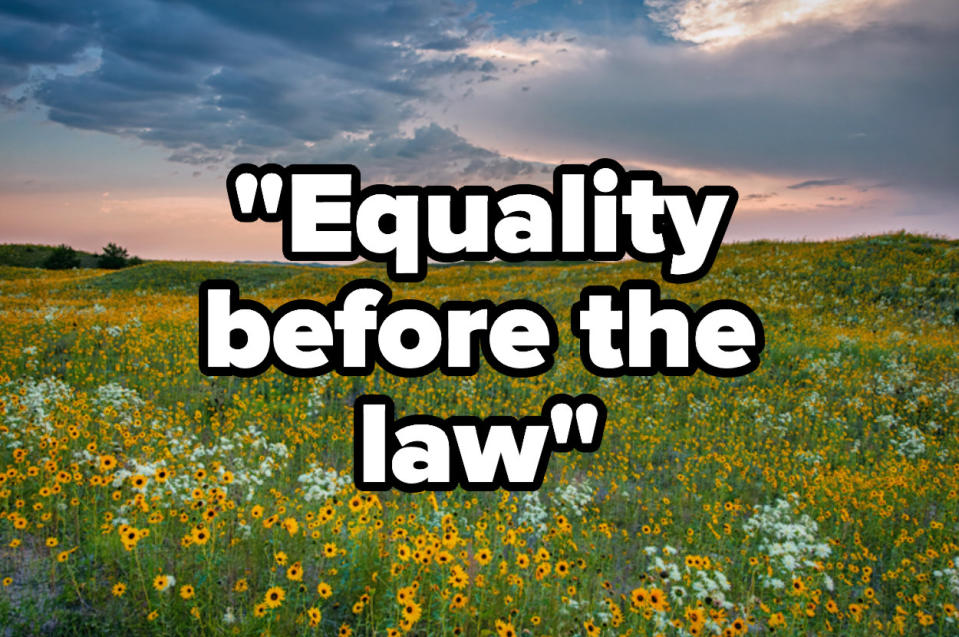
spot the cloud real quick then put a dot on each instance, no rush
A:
(217, 81)
(430, 154)
(33, 43)
(725, 22)
(764, 196)
(817, 183)
(874, 101)
(787, 89)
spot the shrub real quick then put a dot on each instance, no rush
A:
(114, 257)
(63, 257)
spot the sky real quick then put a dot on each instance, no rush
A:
(119, 119)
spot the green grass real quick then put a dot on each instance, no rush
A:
(31, 255)
(860, 359)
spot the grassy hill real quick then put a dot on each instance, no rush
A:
(816, 495)
(31, 255)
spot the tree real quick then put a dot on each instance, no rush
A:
(63, 257)
(113, 258)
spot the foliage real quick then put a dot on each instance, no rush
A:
(24, 255)
(819, 494)
(63, 257)
(113, 257)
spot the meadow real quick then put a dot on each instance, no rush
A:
(816, 495)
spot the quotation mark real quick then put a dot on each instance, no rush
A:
(256, 191)
(246, 184)
(587, 412)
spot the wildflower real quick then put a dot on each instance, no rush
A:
(504, 629)
(274, 597)
(639, 597)
(186, 591)
(163, 582)
(129, 536)
(119, 589)
(295, 572)
(314, 616)
(200, 535)
(458, 577)
(355, 504)
(657, 600)
(412, 612)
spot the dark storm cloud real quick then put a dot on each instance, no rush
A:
(11, 76)
(24, 43)
(216, 80)
(39, 43)
(431, 154)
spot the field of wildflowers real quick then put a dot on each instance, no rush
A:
(819, 494)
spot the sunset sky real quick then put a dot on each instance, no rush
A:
(120, 119)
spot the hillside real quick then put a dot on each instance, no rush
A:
(30, 255)
(815, 495)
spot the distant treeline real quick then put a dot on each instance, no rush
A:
(63, 257)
